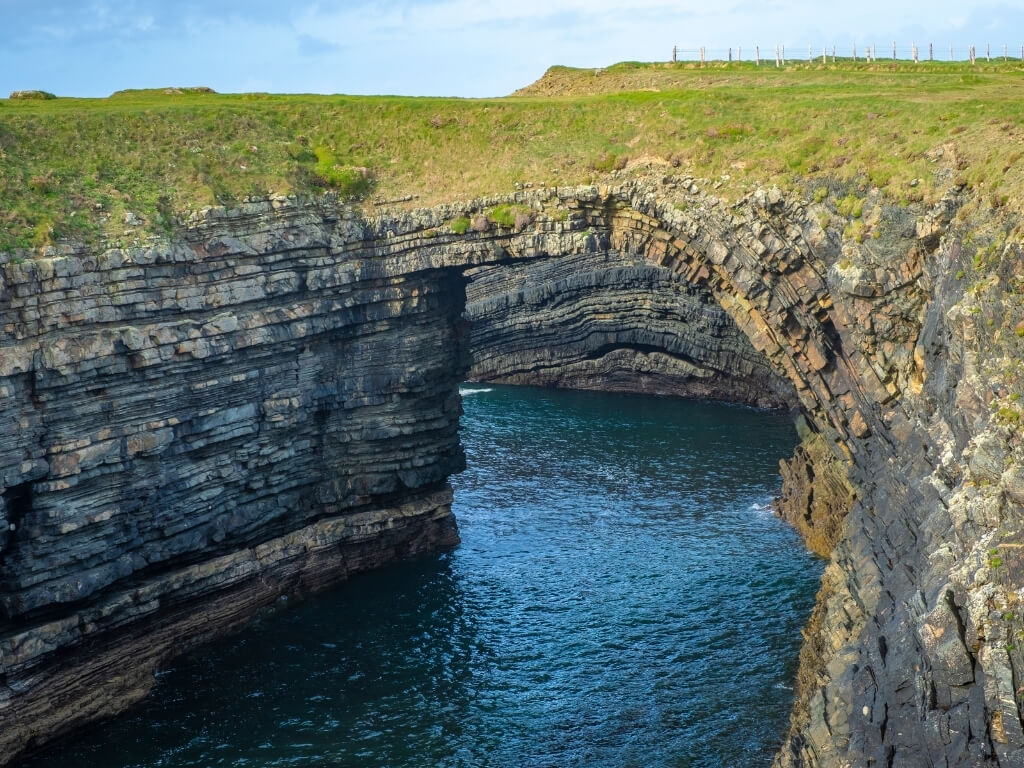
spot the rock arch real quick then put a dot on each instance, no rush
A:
(292, 370)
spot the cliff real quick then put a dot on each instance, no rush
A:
(193, 430)
(285, 379)
(615, 322)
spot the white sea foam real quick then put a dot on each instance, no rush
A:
(467, 392)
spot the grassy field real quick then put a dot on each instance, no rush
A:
(92, 170)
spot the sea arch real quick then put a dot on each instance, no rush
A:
(293, 368)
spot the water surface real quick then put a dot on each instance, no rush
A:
(622, 597)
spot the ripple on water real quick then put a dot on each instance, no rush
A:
(623, 597)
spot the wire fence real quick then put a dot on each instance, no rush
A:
(780, 55)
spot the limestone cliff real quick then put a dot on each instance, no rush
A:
(270, 402)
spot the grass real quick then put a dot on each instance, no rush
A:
(505, 215)
(79, 169)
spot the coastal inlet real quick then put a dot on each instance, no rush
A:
(622, 597)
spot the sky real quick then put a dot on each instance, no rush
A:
(438, 47)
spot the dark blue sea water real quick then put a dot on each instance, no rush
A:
(622, 597)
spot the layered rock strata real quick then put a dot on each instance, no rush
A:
(289, 365)
(614, 322)
(816, 492)
(193, 430)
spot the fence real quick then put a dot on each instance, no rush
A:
(779, 56)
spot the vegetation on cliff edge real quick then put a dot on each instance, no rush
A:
(116, 169)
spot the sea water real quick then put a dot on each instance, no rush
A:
(622, 596)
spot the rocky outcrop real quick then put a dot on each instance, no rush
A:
(920, 664)
(285, 379)
(816, 493)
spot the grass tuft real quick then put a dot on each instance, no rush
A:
(460, 225)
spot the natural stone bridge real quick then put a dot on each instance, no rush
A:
(270, 403)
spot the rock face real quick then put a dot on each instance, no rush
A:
(193, 430)
(614, 322)
(816, 492)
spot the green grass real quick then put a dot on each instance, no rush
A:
(505, 215)
(460, 225)
(73, 169)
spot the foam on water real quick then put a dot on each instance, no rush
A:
(466, 391)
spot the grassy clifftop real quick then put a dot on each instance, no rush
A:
(114, 168)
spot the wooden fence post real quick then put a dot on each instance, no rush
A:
(894, 50)
(824, 52)
(913, 51)
(675, 52)
(783, 55)
(988, 52)
(951, 53)
(730, 54)
(757, 55)
(833, 54)
(702, 55)
(778, 61)
(931, 52)
(739, 53)
(1004, 51)
(855, 52)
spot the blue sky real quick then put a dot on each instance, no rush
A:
(435, 47)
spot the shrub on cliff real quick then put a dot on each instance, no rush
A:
(510, 216)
